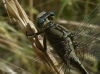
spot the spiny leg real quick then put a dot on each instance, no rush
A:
(44, 43)
(33, 35)
(44, 39)
(66, 56)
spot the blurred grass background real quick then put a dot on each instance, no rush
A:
(14, 46)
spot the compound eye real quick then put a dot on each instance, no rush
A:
(52, 13)
(40, 22)
(41, 14)
(51, 17)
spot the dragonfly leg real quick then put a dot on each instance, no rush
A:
(44, 39)
(44, 43)
(34, 34)
(66, 56)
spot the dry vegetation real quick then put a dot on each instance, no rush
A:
(18, 53)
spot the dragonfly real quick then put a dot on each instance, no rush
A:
(70, 45)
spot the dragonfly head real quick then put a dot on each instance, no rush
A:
(43, 18)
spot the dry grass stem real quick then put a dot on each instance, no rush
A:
(14, 9)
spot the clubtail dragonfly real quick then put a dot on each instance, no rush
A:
(85, 39)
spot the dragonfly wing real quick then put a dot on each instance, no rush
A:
(88, 33)
(89, 26)
(63, 68)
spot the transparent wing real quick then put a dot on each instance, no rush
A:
(62, 67)
(87, 35)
